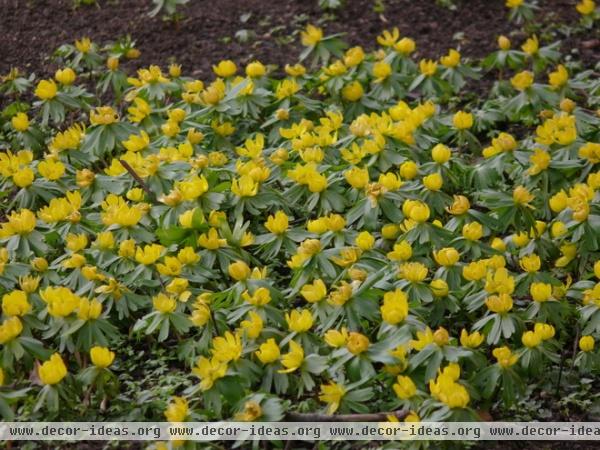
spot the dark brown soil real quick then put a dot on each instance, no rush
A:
(31, 29)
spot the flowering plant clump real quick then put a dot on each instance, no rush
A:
(340, 239)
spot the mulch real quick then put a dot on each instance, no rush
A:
(30, 30)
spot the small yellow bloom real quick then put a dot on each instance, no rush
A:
(472, 340)
(332, 394)
(505, 357)
(293, 359)
(65, 76)
(311, 36)
(462, 120)
(101, 357)
(299, 321)
(46, 90)
(357, 343)
(177, 410)
(52, 371)
(239, 270)
(522, 80)
(20, 121)
(268, 351)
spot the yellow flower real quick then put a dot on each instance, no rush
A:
(177, 410)
(522, 80)
(149, 254)
(19, 222)
(586, 7)
(439, 287)
(413, 272)
(401, 252)
(209, 371)
(388, 38)
(251, 412)
(451, 60)
(1, 376)
(20, 121)
(51, 169)
(352, 91)
(365, 240)
(89, 310)
(441, 154)
(311, 36)
(335, 338)
(472, 231)
(101, 357)
(293, 359)
(531, 339)
(405, 46)
(61, 301)
(15, 303)
(404, 387)
(52, 371)
(586, 343)
(522, 196)
(253, 326)
(314, 292)
(103, 115)
(46, 90)
(332, 394)
(225, 68)
(505, 357)
(84, 45)
(544, 330)
(441, 337)
(460, 205)
(540, 292)
(472, 340)
(278, 223)
(428, 67)
(531, 46)
(140, 111)
(474, 271)
(65, 76)
(10, 329)
(446, 256)
(409, 170)
(513, 3)
(462, 120)
(29, 283)
(433, 182)
(23, 177)
(357, 343)
(268, 351)
(227, 348)
(530, 263)
(503, 43)
(261, 297)
(540, 161)
(395, 307)
(499, 304)
(211, 240)
(299, 321)
(418, 211)
(239, 270)
(381, 71)
(448, 391)
(559, 77)
(245, 186)
(164, 303)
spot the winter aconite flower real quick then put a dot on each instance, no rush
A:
(332, 394)
(46, 90)
(101, 357)
(52, 371)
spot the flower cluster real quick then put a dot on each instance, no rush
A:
(345, 231)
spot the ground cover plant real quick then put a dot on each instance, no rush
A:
(355, 232)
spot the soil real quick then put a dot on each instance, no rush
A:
(30, 30)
